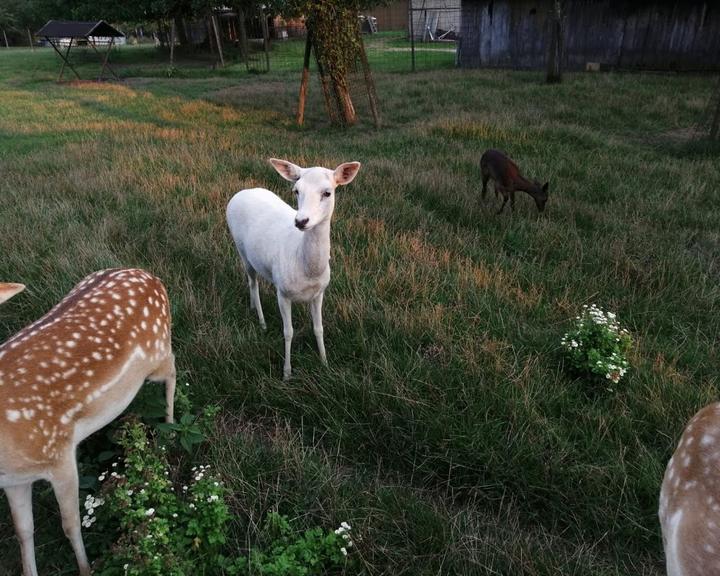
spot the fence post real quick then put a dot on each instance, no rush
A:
(412, 34)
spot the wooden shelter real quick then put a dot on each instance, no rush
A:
(59, 33)
(679, 35)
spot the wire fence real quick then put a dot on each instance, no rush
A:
(416, 38)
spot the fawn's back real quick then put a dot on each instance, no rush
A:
(67, 374)
(690, 499)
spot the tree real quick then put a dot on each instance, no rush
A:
(7, 22)
(332, 26)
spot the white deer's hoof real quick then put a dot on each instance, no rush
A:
(286, 376)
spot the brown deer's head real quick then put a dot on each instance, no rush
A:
(540, 194)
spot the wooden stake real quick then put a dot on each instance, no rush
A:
(30, 39)
(369, 82)
(6, 42)
(325, 83)
(266, 40)
(217, 39)
(304, 81)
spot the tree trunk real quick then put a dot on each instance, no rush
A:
(172, 44)
(334, 34)
(180, 30)
(555, 53)
(242, 30)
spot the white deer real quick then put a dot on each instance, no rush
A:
(69, 374)
(289, 248)
(690, 499)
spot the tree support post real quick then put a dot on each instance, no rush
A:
(305, 79)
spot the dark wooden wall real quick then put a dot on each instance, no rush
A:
(640, 34)
(393, 16)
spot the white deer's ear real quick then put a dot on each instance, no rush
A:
(7, 291)
(286, 169)
(345, 173)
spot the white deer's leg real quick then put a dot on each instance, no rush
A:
(65, 485)
(20, 499)
(255, 296)
(286, 313)
(316, 313)
(166, 373)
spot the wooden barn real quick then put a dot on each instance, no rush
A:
(621, 34)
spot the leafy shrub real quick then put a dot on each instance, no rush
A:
(597, 346)
(153, 525)
(146, 522)
(287, 552)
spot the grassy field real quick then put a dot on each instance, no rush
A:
(445, 429)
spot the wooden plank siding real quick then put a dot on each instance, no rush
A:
(624, 34)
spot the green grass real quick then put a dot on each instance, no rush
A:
(445, 429)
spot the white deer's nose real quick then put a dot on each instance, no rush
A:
(300, 224)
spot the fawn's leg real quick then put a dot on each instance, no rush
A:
(65, 485)
(286, 313)
(20, 499)
(316, 313)
(166, 373)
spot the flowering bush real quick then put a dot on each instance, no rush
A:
(287, 552)
(146, 522)
(597, 345)
(154, 526)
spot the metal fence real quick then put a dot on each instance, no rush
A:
(418, 37)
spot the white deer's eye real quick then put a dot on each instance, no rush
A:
(327, 194)
(295, 191)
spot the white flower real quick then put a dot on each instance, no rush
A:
(129, 492)
(150, 512)
(345, 525)
(344, 551)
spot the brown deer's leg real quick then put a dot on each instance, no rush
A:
(20, 499)
(65, 485)
(512, 200)
(506, 197)
(485, 179)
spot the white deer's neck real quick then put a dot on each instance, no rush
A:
(315, 249)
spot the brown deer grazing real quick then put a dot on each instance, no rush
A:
(496, 165)
(690, 499)
(69, 374)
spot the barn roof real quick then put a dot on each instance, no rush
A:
(75, 29)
